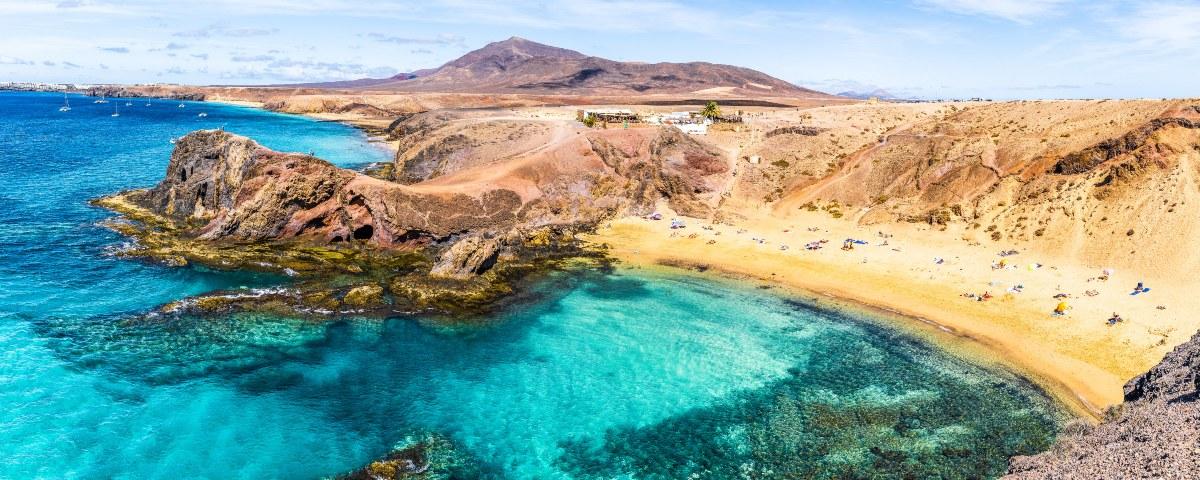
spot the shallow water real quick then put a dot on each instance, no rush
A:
(624, 374)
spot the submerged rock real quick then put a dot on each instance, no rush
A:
(430, 457)
(1155, 433)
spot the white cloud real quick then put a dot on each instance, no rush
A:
(1162, 26)
(7, 60)
(251, 58)
(224, 31)
(1144, 36)
(1021, 11)
(444, 39)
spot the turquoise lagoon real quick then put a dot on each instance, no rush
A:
(596, 375)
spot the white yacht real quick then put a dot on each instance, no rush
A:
(202, 115)
(101, 99)
(66, 104)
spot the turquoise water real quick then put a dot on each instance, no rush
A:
(598, 375)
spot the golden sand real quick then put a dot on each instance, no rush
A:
(1078, 357)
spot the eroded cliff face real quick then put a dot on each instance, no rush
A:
(229, 187)
(234, 188)
(1154, 434)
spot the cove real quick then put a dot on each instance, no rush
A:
(596, 374)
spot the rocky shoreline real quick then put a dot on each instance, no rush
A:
(469, 278)
(229, 204)
(1155, 433)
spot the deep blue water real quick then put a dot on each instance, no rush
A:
(626, 374)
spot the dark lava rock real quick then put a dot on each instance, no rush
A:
(1154, 434)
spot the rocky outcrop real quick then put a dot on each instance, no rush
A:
(366, 246)
(234, 188)
(429, 162)
(1154, 434)
(1087, 159)
(796, 130)
(467, 257)
(220, 186)
(671, 165)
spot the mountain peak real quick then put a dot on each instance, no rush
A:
(507, 53)
(520, 65)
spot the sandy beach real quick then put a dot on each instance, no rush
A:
(1077, 357)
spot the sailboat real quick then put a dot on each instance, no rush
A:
(182, 105)
(128, 104)
(66, 104)
(101, 99)
(202, 115)
(116, 112)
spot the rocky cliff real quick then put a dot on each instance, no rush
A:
(236, 189)
(1154, 434)
(230, 188)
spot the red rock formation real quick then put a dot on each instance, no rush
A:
(229, 187)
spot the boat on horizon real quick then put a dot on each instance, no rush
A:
(66, 104)
(101, 99)
(202, 115)
(182, 105)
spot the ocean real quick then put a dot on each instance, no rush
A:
(597, 375)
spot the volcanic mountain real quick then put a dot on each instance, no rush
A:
(518, 65)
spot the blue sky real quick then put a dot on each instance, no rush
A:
(920, 48)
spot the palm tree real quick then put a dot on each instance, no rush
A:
(711, 111)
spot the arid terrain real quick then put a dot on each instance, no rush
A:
(1023, 225)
